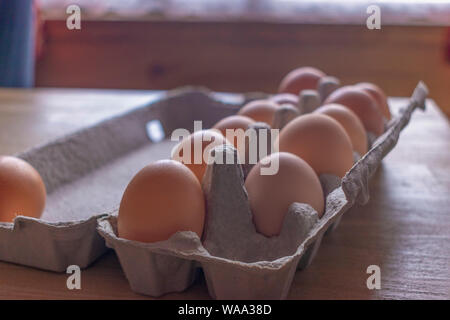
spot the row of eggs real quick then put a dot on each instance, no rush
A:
(166, 196)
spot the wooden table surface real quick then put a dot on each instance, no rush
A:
(404, 229)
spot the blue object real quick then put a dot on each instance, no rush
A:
(16, 43)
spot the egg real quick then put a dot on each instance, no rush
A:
(197, 146)
(233, 123)
(260, 110)
(271, 195)
(236, 126)
(319, 140)
(350, 122)
(362, 104)
(22, 191)
(300, 79)
(378, 95)
(285, 98)
(163, 198)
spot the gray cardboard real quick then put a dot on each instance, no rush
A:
(50, 246)
(85, 174)
(238, 263)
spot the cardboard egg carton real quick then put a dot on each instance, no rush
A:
(86, 172)
(238, 262)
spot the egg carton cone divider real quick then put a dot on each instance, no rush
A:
(86, 172)
(238, 262)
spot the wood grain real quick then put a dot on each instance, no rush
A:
(241, 56)
(405, 227)
(33, 117)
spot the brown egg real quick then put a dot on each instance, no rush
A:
(300, 79)
(378, 95)
(195, 157)
(285, 98)
(361, 103)
(351, 123)
(22, 191)
(260, 110)
(271, 195)
(236, 126)
(319, 140)
(233, 123)
(163, 198)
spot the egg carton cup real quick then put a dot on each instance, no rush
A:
(86, 172)
(238, 262)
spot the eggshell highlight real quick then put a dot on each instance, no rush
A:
(163, 198)
(271, 195)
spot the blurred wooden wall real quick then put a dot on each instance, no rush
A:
(242, 56)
